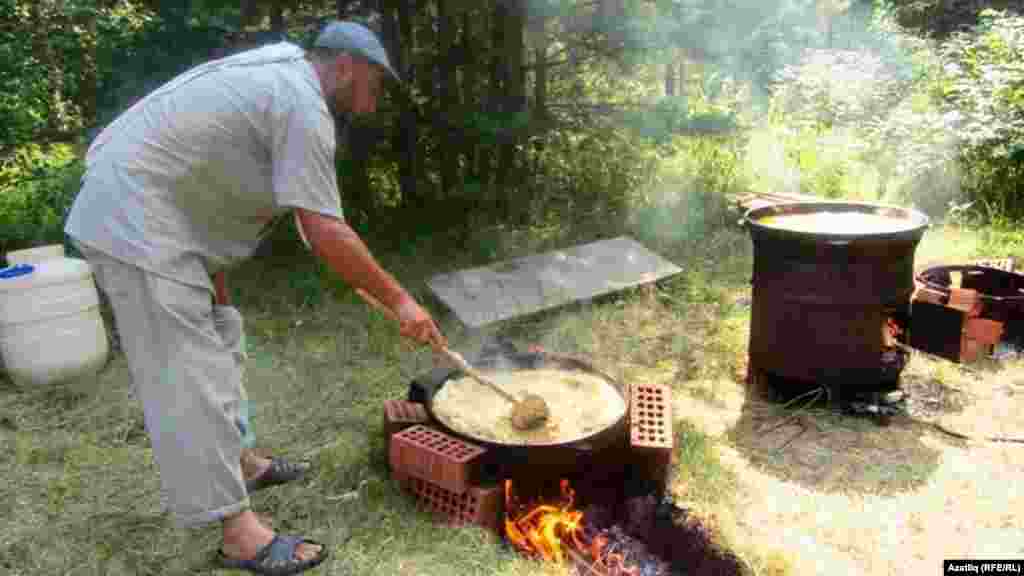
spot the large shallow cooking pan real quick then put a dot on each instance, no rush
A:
(426, 387)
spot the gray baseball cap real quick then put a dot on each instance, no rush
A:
(355, 39)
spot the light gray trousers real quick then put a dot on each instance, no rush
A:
(185, 356)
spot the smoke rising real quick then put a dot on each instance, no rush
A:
(835, 107)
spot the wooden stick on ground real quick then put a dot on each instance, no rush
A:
(587, 564)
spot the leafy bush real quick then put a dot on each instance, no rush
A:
(863, 124)
(672, 116)
(982, 86)
(37, 186)
(686, 198)
(585, 171)
(837, 87)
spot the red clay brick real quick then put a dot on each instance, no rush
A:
(424, 453)
(479, 505)
(985, 331)
(400, 414)
(924, 294)
(650, 417)
(965, 300)
(970, 349)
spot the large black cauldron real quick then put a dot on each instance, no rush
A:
(503, 460)
(820, 300)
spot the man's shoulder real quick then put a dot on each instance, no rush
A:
(292, 73)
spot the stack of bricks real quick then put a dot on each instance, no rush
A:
(951, 324)
(441, 472)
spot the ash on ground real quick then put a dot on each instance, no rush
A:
(653, 537)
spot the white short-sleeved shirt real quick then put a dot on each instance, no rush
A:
(202, 166)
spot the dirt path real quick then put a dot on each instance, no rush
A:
(846, 496)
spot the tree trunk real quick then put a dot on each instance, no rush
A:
(90, 77)
(826, 11)
(496, 85)
(515, 95)
(405, 136)
(249, 12)
(613, 14)
(277, 18)
(49, 15)
(429, 160)
(684, 79)
(540, 89)
(574, 22)
(540, 71)
(670, 79)
(469, 100)
(446, 100)
(358, 197)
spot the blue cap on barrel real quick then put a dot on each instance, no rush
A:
(16, 271)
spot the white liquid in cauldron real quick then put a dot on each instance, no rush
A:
(826, 222)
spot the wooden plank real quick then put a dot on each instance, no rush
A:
(523, 286)
(750, 201)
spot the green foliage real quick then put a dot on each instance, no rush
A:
(671, 116)
(37, 186)
(982, 87)
(861, 124)
(589, 170)
(684, 201)
(142, 51)
(22, 81)
(751, 41)
(830, 87)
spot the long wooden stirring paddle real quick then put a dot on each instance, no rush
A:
(530, 412)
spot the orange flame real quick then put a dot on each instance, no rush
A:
(549, 531)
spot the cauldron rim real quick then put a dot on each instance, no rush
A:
(429, 385)
(751, 217)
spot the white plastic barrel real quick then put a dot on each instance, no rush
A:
(50, 324)
(35, 255)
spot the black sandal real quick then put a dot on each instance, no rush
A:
(280, 471)
(276, 558)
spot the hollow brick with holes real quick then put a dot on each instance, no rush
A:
(478, 505)
(447, 462)
(650, 430)
(987, 332)
(401, 414)
(650, 424)
(650, 417)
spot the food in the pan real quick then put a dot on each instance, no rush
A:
(579, 403)
(530, 412)
(837, 222)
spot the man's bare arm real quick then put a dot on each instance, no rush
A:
(337, 244)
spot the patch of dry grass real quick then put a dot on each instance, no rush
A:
(81, 494)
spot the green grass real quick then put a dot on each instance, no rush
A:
(703, 477)
(82, 496)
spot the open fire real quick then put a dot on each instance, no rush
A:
(544, 530)
(598, 508)
(562, 533)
